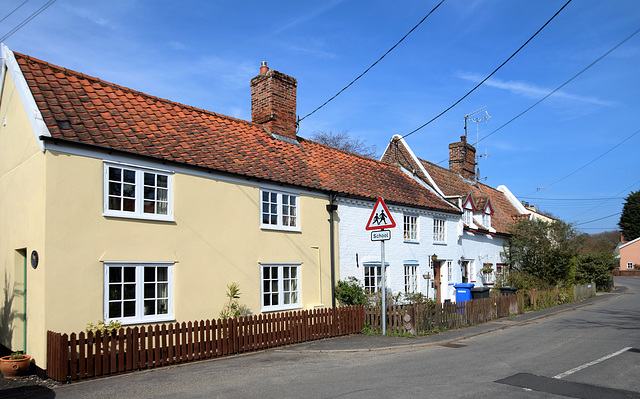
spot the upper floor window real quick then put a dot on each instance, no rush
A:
(439, 233)
(410, 228)
(629, 265)
(279, 210)
(138, 293)
(137, 192)
(486, 219)
(467, 217)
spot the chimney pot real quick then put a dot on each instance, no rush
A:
(264, 68)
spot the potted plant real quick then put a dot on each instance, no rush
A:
(15, 365)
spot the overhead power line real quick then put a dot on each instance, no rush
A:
(608, 199)
(372, 65)
(595, 220)
(27, 20)
(491, 74)
(562, 85)
(14, 10)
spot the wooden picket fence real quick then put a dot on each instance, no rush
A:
(429, 318)
(87, 355)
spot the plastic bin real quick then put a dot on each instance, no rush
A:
(463, 291)
(508, 291)
(480, 292)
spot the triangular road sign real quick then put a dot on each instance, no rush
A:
(380, 217)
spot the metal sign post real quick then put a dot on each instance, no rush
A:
(379, 220)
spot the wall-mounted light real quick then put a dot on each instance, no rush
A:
(434, 258)
(426, 276)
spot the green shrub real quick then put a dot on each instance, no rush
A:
(232, 308)
(350, 292)
(596, 267)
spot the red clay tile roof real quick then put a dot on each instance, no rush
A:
(452, 183)
(83, 109)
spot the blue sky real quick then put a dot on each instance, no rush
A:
(204, 54)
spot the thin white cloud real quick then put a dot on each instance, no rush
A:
(175, 45)
(530, 91)
(307, 17)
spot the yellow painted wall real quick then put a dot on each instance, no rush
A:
(52, 202)
(22, 210)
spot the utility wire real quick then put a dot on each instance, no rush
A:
(374, 64)
(14, 10)
(27, 20)
(595, 220)
(590, 162)
(607, 200)
(562, 85)
(491, 74)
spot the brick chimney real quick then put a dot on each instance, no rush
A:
(462, 158)
(273, 102)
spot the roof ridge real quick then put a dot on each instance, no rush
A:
(130, 90)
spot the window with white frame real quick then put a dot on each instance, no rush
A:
(486, 219)
(439, 233)
(410, 277)
(629, 265)
(280, 286)
(279, 210)
(467, 217)
(411, 228)
(372, 277)
(136, 192)
(450, 270)
(138, 292)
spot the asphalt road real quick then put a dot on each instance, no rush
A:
(592, 351)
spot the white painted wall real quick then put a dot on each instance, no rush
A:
(356, 247)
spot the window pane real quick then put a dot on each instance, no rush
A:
(129, 205)
(163, 306)
(274, 299)
(267, 299)
(163, 290)
(149, 179)
(150, 290)
(129, 308)
(129, 190)
(286, 299)
(162, 208)
(129, 291)
(129, 176)
(163, 274)
(285, 272)
(129, 274)
(114, 203)
(149, 274)
(115, 275)
(149, 207)
(115, 310)
(163, 181)
(266, 272)
(163, 194)
(149, 307)
(115, 189)
(115, 174)
(115, 292)
(149, 193)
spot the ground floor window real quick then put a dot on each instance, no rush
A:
(410, 278)
(280, 286)
(372, 277)
(629, 265)
(138, 292)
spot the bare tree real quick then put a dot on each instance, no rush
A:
(342, 141)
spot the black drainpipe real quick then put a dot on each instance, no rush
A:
(331, 208)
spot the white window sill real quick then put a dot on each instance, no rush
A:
(150, 217)
(280, 308)
(411, 242)
(280, 228)
(149, 320)
(439, 243)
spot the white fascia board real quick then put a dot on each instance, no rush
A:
(630, 242)
(36, 120)
(514, 201)
(417, 161)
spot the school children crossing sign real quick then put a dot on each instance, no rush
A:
(380, 217)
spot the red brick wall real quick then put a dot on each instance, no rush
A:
(273, 102)
(462, 158)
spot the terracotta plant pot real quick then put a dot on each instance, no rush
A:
(14, 368)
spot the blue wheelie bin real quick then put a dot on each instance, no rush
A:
(463, 291)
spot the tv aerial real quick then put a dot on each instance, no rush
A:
(477, 120)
